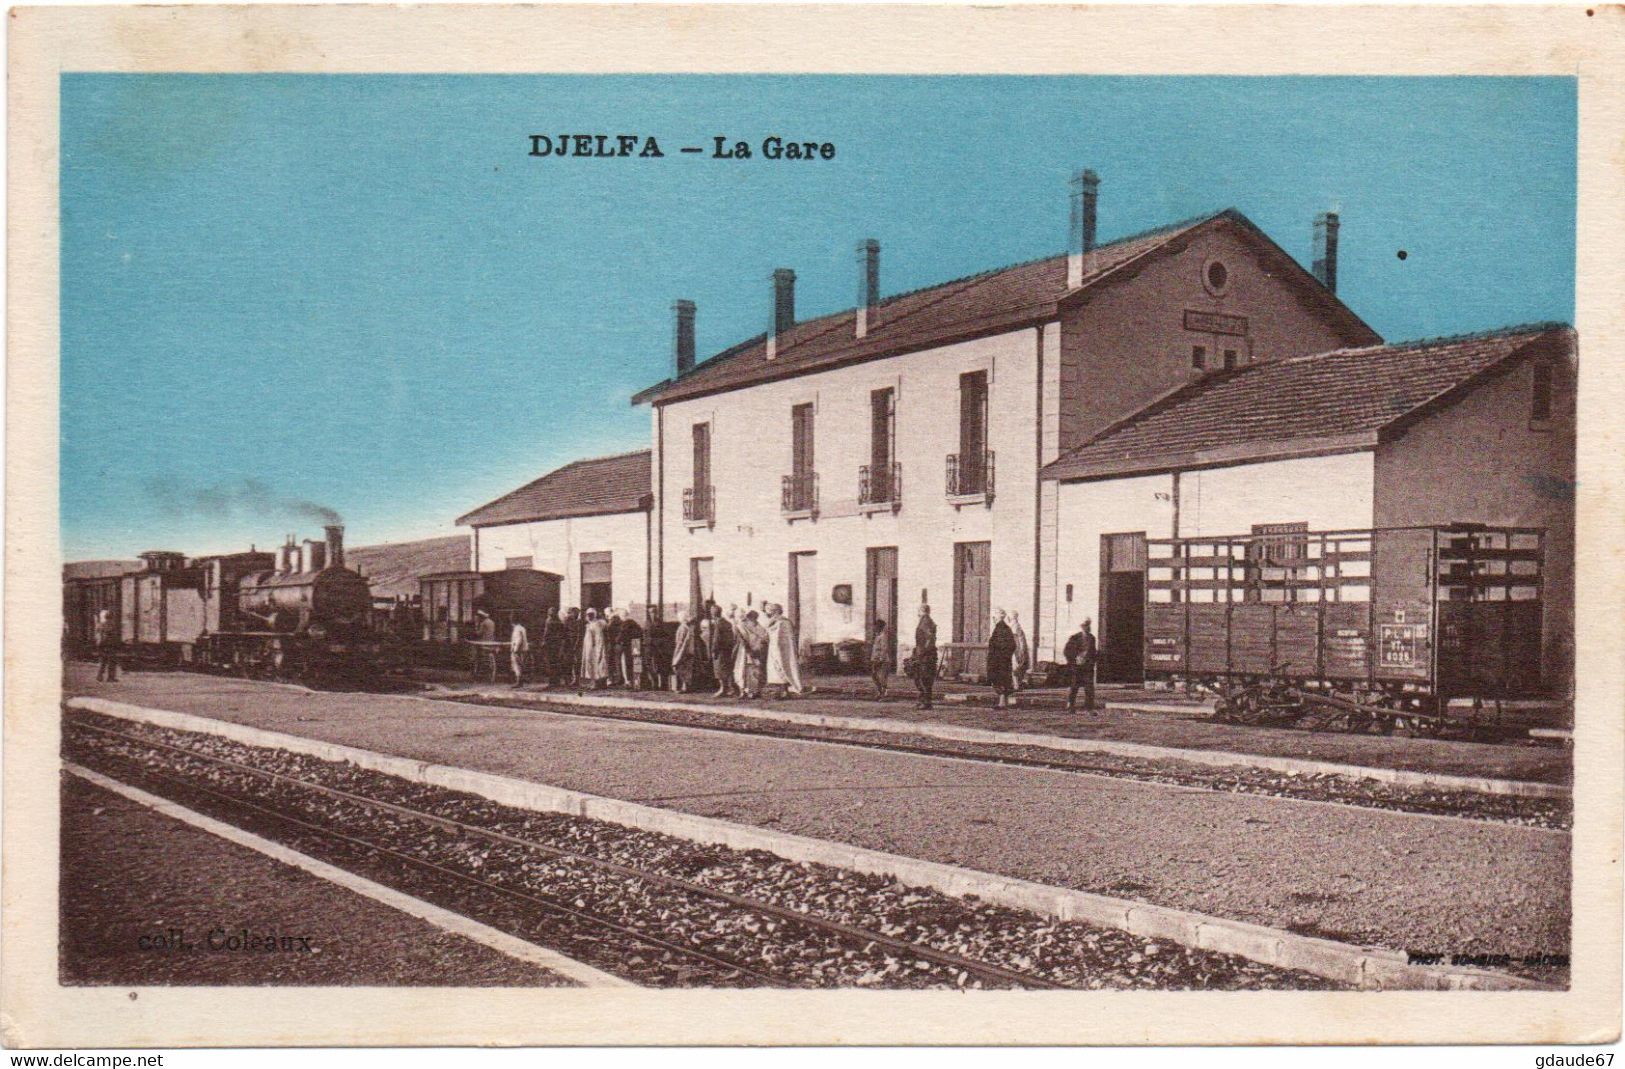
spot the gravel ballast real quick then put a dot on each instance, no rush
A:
(1065, 953)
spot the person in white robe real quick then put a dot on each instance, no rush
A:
(783, 663)
(1023, 663)
(594, 652)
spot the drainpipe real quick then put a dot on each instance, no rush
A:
(1038, 498)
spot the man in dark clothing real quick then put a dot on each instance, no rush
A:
(548, 643)
(575, 629)
(1081, 653)
(880, 664)
(924, 658)
(631, 649)
(720, 639)
(106, 636)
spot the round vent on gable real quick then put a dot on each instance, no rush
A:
(1215, 277)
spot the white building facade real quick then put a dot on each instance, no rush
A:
(858, 465)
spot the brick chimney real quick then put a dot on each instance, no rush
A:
(335, 545)
(868, 282)
(784, 308)
(683, 337)
(1085, 192)
(1325, 262)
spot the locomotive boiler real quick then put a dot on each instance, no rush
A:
(308, 617)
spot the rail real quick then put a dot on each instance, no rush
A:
(970, 474)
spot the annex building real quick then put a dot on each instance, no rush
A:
(588, 522)
(1472, 430)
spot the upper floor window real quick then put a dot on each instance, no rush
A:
(1198, 357)
(800, 487)
(1229, 359)
(969, 470)
(1540, 399)
(877, 481)
(702, 455)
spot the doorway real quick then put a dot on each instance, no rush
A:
(803, 607)
(699, 582)
(973, 597)
(1122, 607)
(597, 591)
(882, 597)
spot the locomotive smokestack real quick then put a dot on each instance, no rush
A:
(335, 545)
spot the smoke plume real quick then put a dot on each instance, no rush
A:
(234, 499)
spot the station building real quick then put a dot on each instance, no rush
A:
(588, 521)
(1472, 430)
(859, 464)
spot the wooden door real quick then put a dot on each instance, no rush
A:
(1121, 628)
(882, 600)
(973, 590)
(803, 606)
(699, 582)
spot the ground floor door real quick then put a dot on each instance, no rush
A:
(1121, 628)
(973, 606)
(882, 596)
(803, 607)
(699, 582)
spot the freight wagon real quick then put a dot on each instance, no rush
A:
(1414, 627)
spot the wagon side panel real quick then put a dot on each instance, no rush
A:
(1402, 575)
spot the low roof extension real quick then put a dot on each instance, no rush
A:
(1343, 400)
(597, 486)
(989, 303)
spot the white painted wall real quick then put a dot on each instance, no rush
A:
(1328, 493)
(557, 545)
(750, 452)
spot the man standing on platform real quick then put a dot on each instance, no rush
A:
(1081, 653)
(518, 650)
(924, 659)
(719, 645)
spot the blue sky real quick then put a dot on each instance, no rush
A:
(288, 294)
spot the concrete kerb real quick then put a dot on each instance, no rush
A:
(957, 733)
(1364, 967)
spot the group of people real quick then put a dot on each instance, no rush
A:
(1009, 661)
(744, 654)
(754, 653)
(588, 648)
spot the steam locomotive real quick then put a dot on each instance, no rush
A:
(298, 613)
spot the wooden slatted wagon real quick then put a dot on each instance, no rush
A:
(1420, 628)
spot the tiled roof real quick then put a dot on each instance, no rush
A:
(394, 568)
(1346, 395)
(592, 487)
(988, 303)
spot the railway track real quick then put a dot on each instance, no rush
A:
(577, 925)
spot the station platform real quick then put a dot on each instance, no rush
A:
(1130, 718)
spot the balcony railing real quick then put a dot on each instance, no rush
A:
(699, 504)
(880, 486)
(798, 494)
(970, 475)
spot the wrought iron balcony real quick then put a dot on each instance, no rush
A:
(880, 486)
(798, 494)
(970, 475)
(699, 505)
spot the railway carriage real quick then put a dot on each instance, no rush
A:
(450, 599)
(1417, 627)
